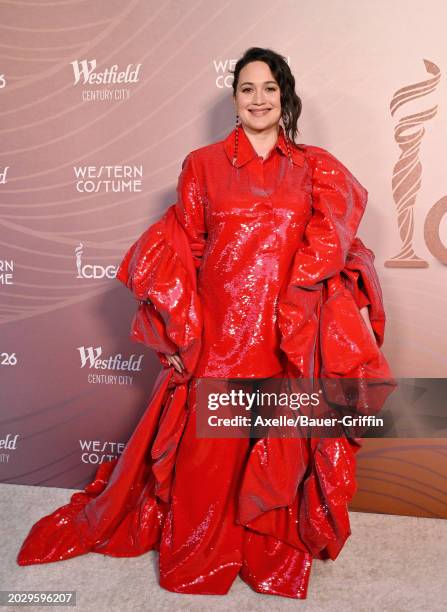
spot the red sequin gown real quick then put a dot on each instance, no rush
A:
(254, 272)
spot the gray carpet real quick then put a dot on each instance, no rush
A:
(389, 564)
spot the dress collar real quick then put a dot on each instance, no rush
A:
(246, 151)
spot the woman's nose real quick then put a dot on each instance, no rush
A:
(259, 97)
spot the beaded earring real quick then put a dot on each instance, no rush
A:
(286, 139)
(236, 140)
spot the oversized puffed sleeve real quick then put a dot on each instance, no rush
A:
(355, 280)
(160, 269)
(360, 276)
(338, 204)
(190, 208)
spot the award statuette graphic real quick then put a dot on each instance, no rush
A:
(78, 251)
(407, 171)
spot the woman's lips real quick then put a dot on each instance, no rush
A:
(260, 113)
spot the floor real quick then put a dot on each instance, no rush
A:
(389, 564)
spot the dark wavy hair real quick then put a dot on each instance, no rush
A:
(291, 104)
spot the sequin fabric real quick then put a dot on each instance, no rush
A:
(246, 223)
(254, 272)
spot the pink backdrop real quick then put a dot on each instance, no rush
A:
(100, 103)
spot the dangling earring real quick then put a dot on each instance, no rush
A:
(286, 138)
(289, 152)
(236, 140)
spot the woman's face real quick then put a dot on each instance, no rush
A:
(258, 98)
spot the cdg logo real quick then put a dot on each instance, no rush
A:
(407, 173)
(92, 271)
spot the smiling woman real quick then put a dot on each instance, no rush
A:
(258, 105)
(257, 101)
(255, 272)
(263, 95)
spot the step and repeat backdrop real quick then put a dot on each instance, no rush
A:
(100, 103)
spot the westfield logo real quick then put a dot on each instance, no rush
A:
(85, 70)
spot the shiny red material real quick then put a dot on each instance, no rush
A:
(254, 272)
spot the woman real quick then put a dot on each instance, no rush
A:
(255, 273)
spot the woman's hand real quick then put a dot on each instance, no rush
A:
(175, 361)
(365, 314)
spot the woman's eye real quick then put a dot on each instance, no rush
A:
(248, 89)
